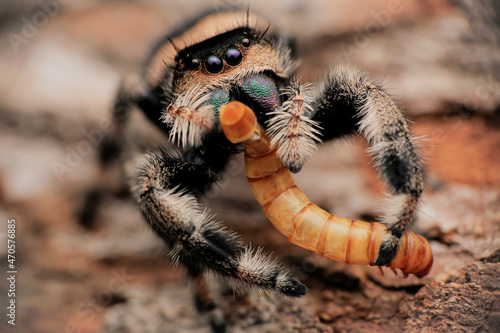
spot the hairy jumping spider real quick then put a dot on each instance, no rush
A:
(232, 56)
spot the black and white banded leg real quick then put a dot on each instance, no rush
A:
(348, 101)
(166, 196)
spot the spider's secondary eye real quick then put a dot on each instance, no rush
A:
(233, 56)
(195, 63)
(245, 42)
(214, 64)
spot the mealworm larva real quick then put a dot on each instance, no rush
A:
(303, 222)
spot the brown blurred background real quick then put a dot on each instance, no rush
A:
(60, 65)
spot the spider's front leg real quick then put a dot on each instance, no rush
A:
(167, 195)
(349, 102)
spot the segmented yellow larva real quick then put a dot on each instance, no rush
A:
(304, 223)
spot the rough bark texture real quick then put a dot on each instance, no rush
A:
(469, 303)
(59, 74)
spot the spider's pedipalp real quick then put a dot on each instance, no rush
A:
(291, 128)
(189, 117)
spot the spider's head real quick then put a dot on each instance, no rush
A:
(228, 56)
(217, 56)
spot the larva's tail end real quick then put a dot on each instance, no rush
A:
(427, 269)
(238, 121)
(424, 259)
(418, 262)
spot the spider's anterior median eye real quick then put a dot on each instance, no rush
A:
(214, 64)
(233, 56)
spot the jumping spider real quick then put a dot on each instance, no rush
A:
(232, 56)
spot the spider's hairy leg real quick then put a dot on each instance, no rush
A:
(291, 128)
(205, 302)
(348, 102)
(167, 200)
(151, 101)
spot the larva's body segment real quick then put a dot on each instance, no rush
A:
(304, 223)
